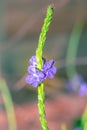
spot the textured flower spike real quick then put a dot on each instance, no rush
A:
(39, 69)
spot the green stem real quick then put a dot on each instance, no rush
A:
(72, 48)
(84, 119)
(8, 105)
(39, 52)
(41, 96)
(42, 37)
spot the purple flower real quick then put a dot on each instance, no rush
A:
(77, 84)
(78, 128)
(49, 69)
(33, 60)
(83, 89)
(36, 76)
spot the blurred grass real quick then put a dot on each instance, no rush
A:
(73, 49)
(8, 103)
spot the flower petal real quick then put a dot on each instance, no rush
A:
(83, 89)
(31, 69)
(33, 60)
(35, 84)
(50, 74)
(40, 74)
(53, 69)
(48, 65)
(29, 79)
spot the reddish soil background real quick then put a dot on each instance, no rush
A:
(61, 109)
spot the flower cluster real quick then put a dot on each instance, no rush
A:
(37, 76)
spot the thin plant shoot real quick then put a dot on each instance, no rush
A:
(40, 69)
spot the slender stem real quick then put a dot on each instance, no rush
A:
(39, 51)
(8, 105)
(84, 119)
(42, 37)
(41, 96)
(72, 48)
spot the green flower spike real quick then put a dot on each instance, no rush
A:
(39, 52)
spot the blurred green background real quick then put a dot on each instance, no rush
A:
(20, 25)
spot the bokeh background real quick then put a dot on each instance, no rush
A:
(20, 26)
